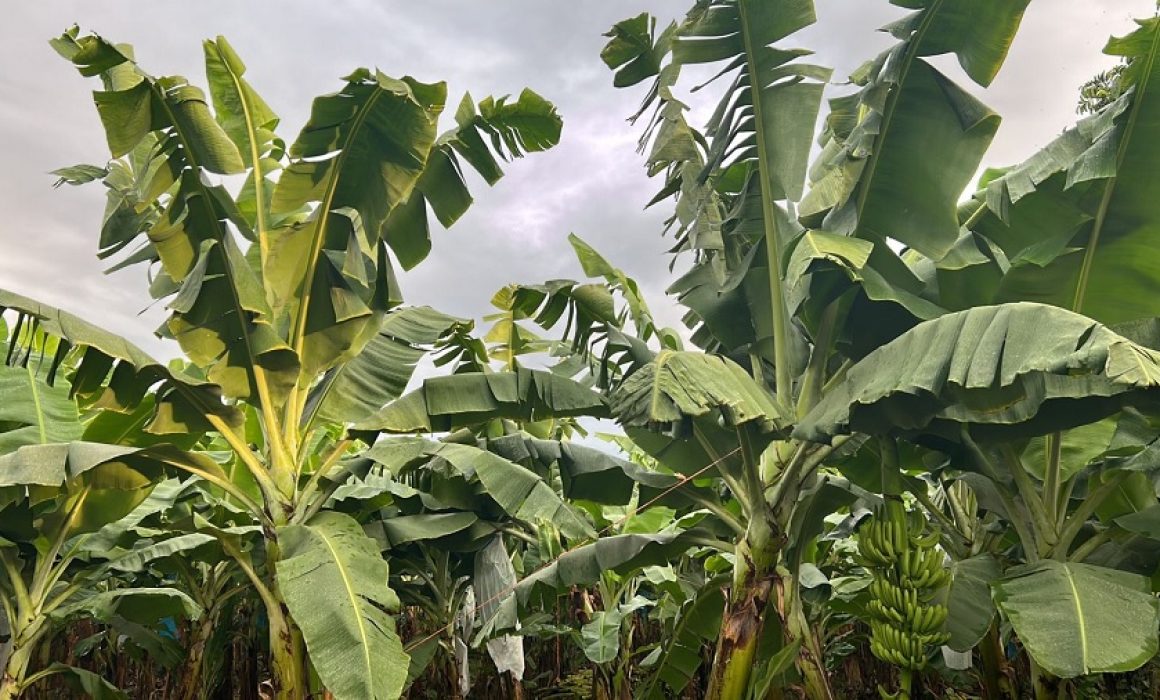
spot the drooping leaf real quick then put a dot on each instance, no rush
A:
(87, 682)
(677, 385)
(335, 584)
(698, 624)
(528, 124)
(356, 160)
(591, 474)
(113, 373)
(403, 529)
(146, 606)
(521, 493)
(968, 600)
(379, 374)
(1008, 370)
(138, 558)
(618, 553)
(1145, 522)
(458, 400)
(1078, 219)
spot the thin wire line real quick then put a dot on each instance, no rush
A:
(511, 589)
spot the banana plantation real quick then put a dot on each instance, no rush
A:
(906, 443)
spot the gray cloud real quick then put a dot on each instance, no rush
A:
(592, 184)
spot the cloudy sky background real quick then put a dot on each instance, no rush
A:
(592, 184)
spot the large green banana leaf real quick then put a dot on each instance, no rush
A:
(1080, 220)
(518, 491)
(52, 492)
(766, 116)
(754, 153)
(249, 122)
(217, 297)
(528, 124)
(113, 373)
(460, 400)
(822, 266)
(380, 372)
(1009, 370)
(32, 412)
(53, 465)
(679, 385)
(356, 160)
(335, 584)
(1077, 619)
(968, 600)
(878, 176)
(108, 542)
(600, 636)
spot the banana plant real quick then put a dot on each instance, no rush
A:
(280, 296)
(160, 541)
(605, 344)
(50, 512)
(789, 286)
(1061, 229)
(1059, 370)
(509, 429)
(61, 497)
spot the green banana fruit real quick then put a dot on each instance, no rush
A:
(901, 550)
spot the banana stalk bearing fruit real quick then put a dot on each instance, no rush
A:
(901, 551)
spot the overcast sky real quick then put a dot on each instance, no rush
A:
(592, 184)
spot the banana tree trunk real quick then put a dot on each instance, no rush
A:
(453, 671)
(601, 688)
(996, 677)
(287, 657)
(740, 631)
(26, 632)
(194, 667)
(15, 670)
(512, 687)
(811, 660)
(1045, 685)
(289, 668)
(753, 579)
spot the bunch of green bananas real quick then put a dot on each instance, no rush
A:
(901, 551)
